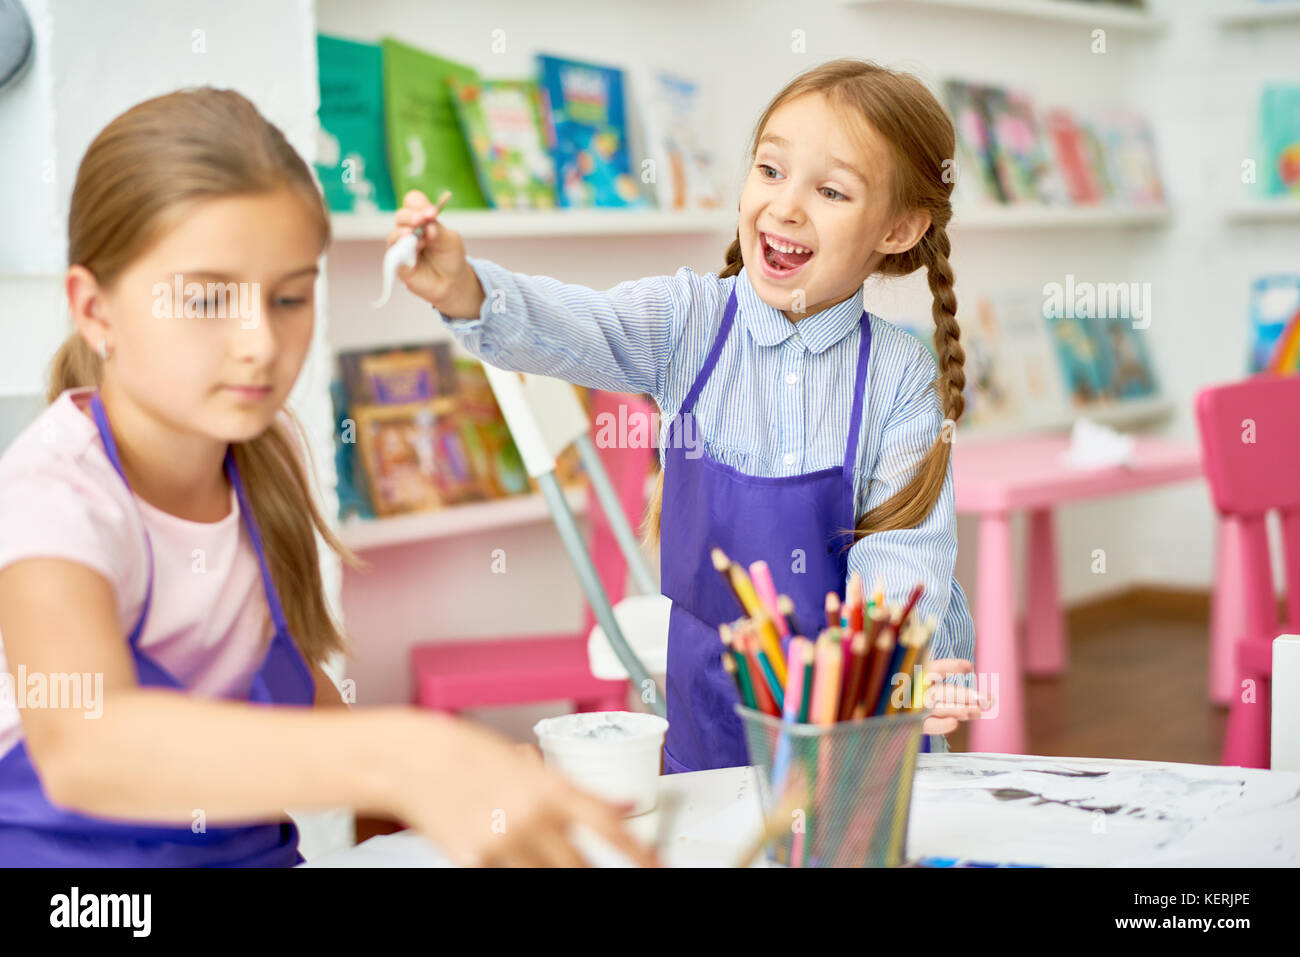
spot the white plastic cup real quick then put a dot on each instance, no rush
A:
(611, 754)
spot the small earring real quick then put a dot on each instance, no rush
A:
(103, 349)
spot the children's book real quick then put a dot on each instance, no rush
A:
(501, 120)
(1274, 302)
(1129, 364)
(671, 110)
(1130, 158)
(1084, 369)
(1011, 375)
(977, 177)
(1278, 172)
(1073, 158)
(352, 161)
(587, 118)
(1024, 167)
(426, 149)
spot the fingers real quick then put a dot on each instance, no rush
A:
(606, 822)
(936, 725)
(950, 666)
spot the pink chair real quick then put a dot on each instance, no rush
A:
(452, 675)
(1250, 440)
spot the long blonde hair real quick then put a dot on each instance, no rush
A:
(136, 176)
(922, 140)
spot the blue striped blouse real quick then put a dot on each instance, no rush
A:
(778, 402)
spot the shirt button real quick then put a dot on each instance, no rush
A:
(789, 458)
(791, 378)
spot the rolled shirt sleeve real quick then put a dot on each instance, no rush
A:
(620, 340)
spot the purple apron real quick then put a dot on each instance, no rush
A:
(35, 833)
(707, 504)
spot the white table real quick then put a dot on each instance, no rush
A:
(994, 807)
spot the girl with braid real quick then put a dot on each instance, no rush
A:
(798, 428)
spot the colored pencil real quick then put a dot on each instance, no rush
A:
(762, 692)
(805, 700)
(744, 591)
(857, 670)
(855, 603)
(910, 645)
(891, 670)
(766, 589)
(832, 610)
(826, 682)
(912, 599)
(739, 670)
(785, 607)
(882, 651)
(789, 712)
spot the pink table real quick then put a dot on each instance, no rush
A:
(994, 478)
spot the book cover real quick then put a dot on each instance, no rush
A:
(1082, 364)
(685, 169)
(1273, 302)
(1278, 135)
(352, 160)
(977, 178)
(1012, 378)
(1130, 372)
(501, 121)
(426, 149)
(586, 115)
(1023, 165)
(1131, 158)
(1072, 157)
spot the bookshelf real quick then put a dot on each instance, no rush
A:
(534, 224)
(1265, 211)
(1259, 14)
(1022, 217)
(365, 534)
(1058, 11)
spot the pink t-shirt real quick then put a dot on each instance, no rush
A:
(209, 624)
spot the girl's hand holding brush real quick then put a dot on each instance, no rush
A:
(441, 275)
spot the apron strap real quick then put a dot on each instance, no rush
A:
(110, 447)
(728, 316)
(855, 417)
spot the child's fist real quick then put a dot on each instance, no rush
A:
(441, 275)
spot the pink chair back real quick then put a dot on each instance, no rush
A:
(1250, 443)
(628, 469)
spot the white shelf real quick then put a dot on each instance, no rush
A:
(1058, 217)
(362, 534)
(1260, 13)
(1121, 414)
(1263, 210)
(1059, 11)
(521, 224)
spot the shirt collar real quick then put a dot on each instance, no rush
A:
(817, 332)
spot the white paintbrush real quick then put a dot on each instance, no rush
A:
(403, 252)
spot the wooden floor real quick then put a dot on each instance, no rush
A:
(1134, 687)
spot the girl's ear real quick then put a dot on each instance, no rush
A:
(86, 304)
(906, 233)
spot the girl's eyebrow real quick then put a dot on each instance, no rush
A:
(223, 277)
(834, 163)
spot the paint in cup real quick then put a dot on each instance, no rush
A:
(614, 755)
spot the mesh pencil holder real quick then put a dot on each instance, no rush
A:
(859, 781)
